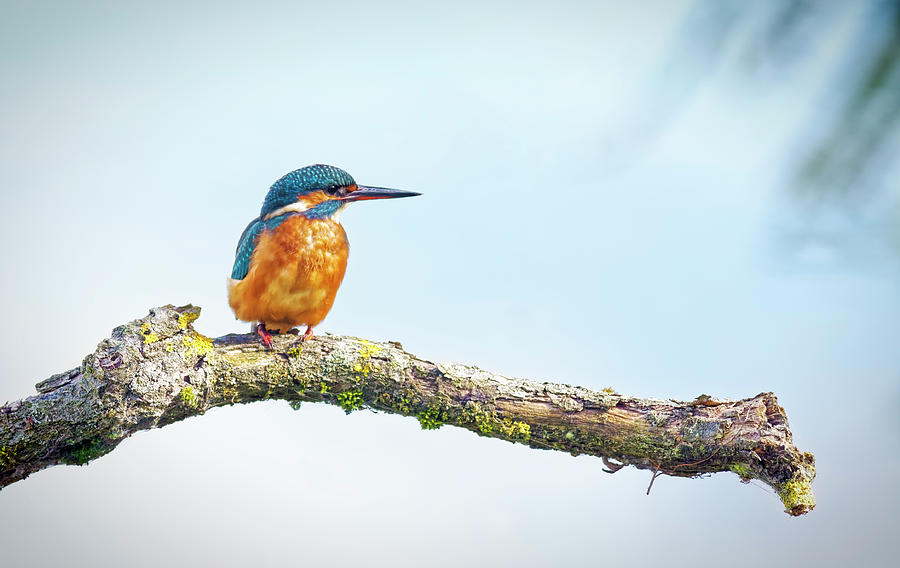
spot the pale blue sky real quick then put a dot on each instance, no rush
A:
(558, 237)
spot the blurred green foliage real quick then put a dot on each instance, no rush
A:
(842, 161)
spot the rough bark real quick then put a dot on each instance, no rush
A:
(158, 370)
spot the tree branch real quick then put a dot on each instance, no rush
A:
(158, 370)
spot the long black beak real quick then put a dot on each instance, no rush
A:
(364, 192)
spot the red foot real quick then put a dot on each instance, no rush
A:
(264, 334)
(308, 334)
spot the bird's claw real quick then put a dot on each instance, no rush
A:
(264, 334)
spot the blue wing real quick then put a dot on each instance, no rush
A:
(245, 249)
(247, 243)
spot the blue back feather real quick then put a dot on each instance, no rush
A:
(247, 243)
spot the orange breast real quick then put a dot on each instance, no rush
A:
(295, 272)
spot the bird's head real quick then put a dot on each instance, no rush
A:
(320, 191)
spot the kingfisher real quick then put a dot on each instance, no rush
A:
(290, 261)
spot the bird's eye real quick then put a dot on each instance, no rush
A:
(332, 189)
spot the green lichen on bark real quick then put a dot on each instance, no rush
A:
(7, 457)
(85, 451)
(742, 470)
(350, 400)
(430, 419)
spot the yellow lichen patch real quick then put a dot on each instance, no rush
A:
(515, 430)
(295, 351)
(362, 369)
(369, 349)
(148, 334)
(366, 351)
(197, 344)
(189, 397)
(7, 456)
(186, 319)
(797, 496)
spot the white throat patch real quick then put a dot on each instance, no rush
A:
(296, 207)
